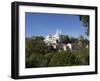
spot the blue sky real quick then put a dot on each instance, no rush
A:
(43, 24)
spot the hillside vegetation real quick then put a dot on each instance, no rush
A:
(38, 54)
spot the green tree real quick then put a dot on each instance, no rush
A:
(36, 60)
(85, 21)
(28, 46)
(66, 39)
(63, 58)
(73, 40)
(35, 44)
(83, 42)
(37, 37)
(48, 57)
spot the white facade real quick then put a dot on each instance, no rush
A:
(53, 39)
(56, 41)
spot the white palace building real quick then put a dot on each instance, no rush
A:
(55, 40)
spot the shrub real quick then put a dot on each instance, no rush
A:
(36, 60)
(70, 58)
(62, 58)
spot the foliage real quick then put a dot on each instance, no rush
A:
(65, 58)
(68, 58)
(36, 60)
(35, 45)
(85, 21)
(38, 54)
(66, 39)
(82, 42)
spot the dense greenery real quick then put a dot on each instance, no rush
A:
(38, 54)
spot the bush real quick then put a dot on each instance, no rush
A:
(48, 57)
(82, 57)
(36, 60)
(70, 58)
(62, 58)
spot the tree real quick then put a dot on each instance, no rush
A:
(63, 58)
(83, 42)
(85, 21)
(48, 57)
(35, 44)
(28, 47)
(66, 39)
(36, 60)
(37, 37)
(73, 40)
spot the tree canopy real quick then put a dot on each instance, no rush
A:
(85, 21)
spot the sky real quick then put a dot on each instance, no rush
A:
(43, 24)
